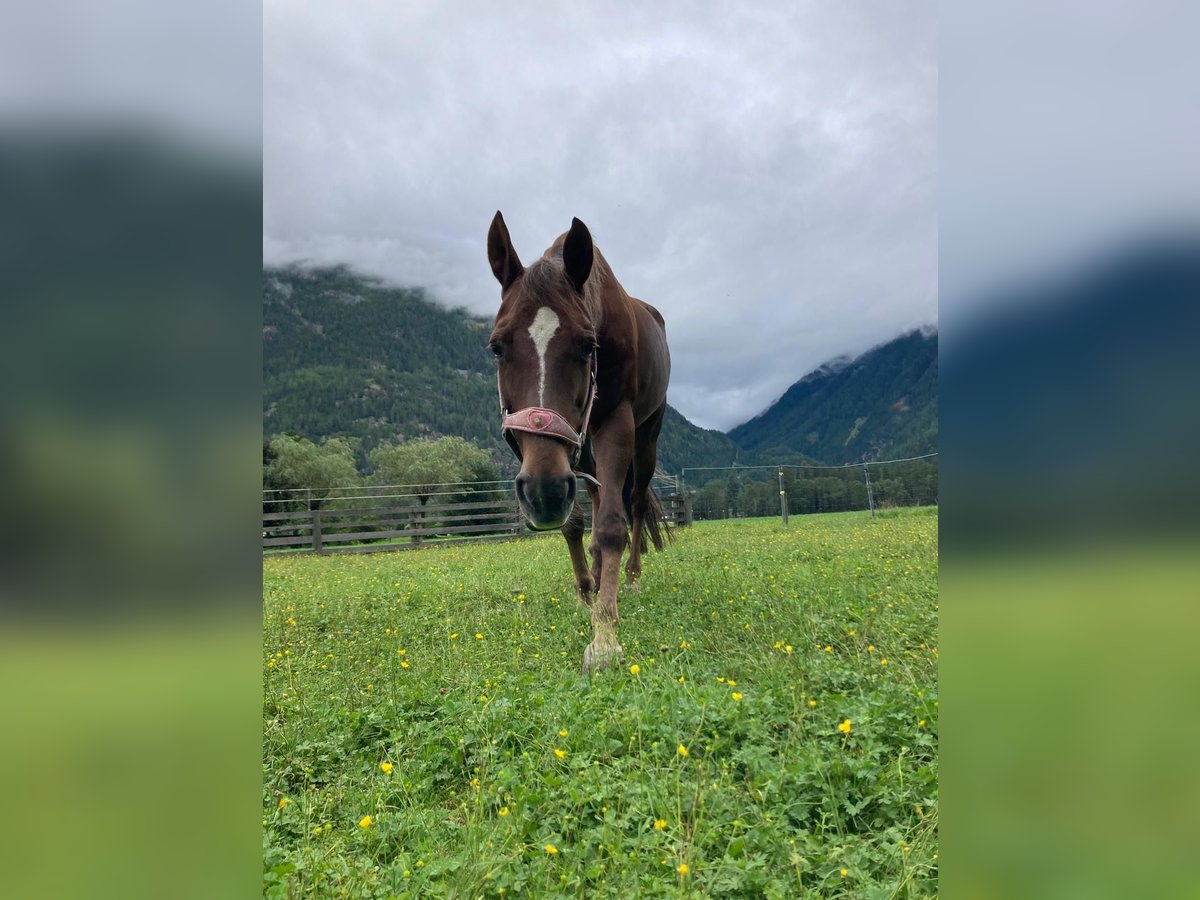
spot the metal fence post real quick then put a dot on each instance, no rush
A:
(870, 496)
(783, 510)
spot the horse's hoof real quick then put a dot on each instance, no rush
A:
(597, 658)
(633, 585)
(584, 598)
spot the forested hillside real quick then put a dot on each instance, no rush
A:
(344, 355)
(884, 404)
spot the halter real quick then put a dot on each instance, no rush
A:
(548, 423)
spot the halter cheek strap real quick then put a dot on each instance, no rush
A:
(548, 423)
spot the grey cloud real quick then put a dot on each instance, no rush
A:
(764, 174)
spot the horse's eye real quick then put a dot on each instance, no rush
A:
(587, 349)
(497, 349)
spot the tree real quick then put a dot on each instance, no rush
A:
(710, 501)
(295, 463)
(759, 499)
(426, 466)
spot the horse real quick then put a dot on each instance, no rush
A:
(582, 374)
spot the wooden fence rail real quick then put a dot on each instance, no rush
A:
(364, 529)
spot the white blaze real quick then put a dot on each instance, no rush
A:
(545, 323)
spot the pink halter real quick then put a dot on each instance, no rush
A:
(548, 423)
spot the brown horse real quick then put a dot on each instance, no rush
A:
(582, 376)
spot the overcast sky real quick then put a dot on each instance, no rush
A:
(764, 173)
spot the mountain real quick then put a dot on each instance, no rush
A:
(344, 354)
(347, 355)
(881, 405)
(682, 444)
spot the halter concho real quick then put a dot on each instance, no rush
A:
(548, 423)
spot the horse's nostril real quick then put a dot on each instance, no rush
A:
(522, 485)
(569, 492)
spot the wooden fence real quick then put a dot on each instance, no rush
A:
(365, 524)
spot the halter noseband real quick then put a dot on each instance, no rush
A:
(548, 423)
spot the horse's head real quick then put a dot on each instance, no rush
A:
(544, 341)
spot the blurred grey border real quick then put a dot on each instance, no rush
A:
(130, 254)
(130, 421)
(1069, 270)
(1069, 390)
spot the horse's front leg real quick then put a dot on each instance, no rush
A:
(613, 446)
(573, 532)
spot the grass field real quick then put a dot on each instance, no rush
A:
(772, 731)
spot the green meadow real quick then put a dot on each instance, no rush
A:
(771, 732)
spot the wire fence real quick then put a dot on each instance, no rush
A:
(783, 490)
(394, 516)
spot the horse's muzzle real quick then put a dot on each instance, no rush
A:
(546, 502)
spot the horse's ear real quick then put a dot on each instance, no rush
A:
(577, 254)
(505, 264)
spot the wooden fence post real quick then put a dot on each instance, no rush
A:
(416, 522)
(316, 530)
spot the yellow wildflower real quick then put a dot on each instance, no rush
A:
(682, 679)
(683, 869)
(787, 648)
(478, 636)
(683, 645)
(843, 872)
(883, 662)
(812, 702)
(779, 645)
(683, 751)
(560, 753)
(454, 636)
(634, 669)
(870, 648)
(404, 664)
(563, 732)
(385, 768)
(551, 849)
(844, 728)
(402, 651)
(504, 810)
(283, 801)
(660, 824)
(364, 822)
(921, 724)
(736, 695)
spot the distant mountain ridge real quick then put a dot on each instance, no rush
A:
(345, 354)
(880, 405)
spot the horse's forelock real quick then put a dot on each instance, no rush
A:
(545, 282)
